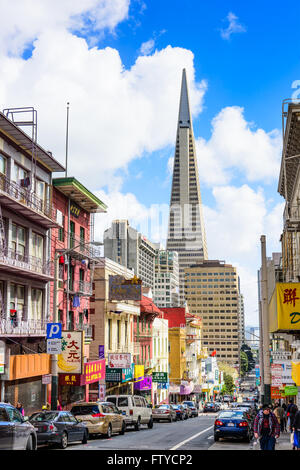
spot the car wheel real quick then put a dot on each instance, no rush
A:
(150, 424)
(29, 444)
(216, 438)
(64, 440)
(85, 437)
(122, 432)
(109, 432)
(137, 427)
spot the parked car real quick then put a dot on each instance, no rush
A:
(187, 410)
(193, 407)
(233, 424)
(58, 427)
(137, 410)
(100, 418)
(180, 411)
(211, 407)
(16, 432)
(164, 412)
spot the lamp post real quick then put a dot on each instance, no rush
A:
(54, 368)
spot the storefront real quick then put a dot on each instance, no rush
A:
(174, 393)
(24, 381)
(75, 387)
(119, 381)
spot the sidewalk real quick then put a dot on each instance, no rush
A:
(284, 442)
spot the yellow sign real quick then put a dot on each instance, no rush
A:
(296, 373)
(138, 373)
(284, 307)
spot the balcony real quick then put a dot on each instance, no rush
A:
(81, 288)
(26, 203)
(23, 327)
(14, 262)
(80, 248)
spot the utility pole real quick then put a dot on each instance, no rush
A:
(54, 369)
(265, 323)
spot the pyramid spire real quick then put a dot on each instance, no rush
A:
(186, 232)
(184, 118)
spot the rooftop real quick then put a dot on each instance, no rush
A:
(74, 190)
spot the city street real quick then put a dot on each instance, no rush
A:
(193, 434)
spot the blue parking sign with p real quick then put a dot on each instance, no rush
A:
(54, 330)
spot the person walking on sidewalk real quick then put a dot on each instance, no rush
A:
(296, 429)
(279, 413)
(266, 428)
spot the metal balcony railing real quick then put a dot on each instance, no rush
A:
(23, 327)
(30, 263)
(81, 287)
(82, 247)
(26, 196)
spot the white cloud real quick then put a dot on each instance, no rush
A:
(115, 114)
(234, 227)
(238, 146)
(147, 47)
(22, 21)
(233, 27)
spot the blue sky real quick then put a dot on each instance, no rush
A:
(119, 63)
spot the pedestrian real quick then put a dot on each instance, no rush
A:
(291, 412)
(20, 408)
(296, 429)
(266, 428)
(279, 413)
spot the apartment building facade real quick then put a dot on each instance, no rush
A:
(26, 267)
(125, 245)
(166, 289)
(212, 292)
(73, 251)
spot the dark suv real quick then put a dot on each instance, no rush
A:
(15, 432)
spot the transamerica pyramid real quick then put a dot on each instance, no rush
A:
(186, 233)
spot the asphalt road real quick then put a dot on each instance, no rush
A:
(191, 434)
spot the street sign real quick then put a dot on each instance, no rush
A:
(53, 346)
(54, 330)
(46, 379)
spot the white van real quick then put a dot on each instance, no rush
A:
(136, 408)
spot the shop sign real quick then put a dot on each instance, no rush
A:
(163, 386)
(144, 384)
(102, 392)
(46, 379)
(186, 388)
(285, 307)
(160, 377)
(93, 372)
(276, 373)
(121, 361)
(122, 289)
(101, 351)
(139, 373)
(70, 379)
(296, 372)
(276, 393)
(2, 357)
(70, 359)
(174, 388)
(74, 210)
(286, 372)
(54, 346)
(113, 374)
(127, 373)
(290, 390)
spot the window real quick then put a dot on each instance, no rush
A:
(15, 415)
(3, 165)
(18, 241)
(17, 300)
(19, 174)
(123, 401)
(37, 246)
(36, 304)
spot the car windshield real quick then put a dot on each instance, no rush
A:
(44, 416)
(231, 414)
(85, 410)
(162, 406)
(189, 403)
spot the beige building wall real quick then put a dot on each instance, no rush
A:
(113, 320)
(212, 292)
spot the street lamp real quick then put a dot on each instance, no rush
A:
(54, 369)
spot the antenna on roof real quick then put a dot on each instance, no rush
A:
(67, 138)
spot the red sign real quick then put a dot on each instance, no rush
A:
(93, 372)
(276, 392)
(69, 379)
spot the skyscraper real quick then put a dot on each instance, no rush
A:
(186, 233)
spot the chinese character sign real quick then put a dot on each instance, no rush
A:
(94, 371)
(288, 305)
(121, 361)
(120, 289)
(70, 359)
